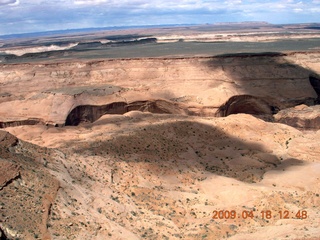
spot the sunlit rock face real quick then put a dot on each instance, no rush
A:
(302, 117)
(199, 85)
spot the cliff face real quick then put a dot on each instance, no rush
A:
(51, 91)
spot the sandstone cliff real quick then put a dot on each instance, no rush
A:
(201, 85)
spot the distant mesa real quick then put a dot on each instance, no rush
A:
(112, 42)
(39, 51)
(243, 23)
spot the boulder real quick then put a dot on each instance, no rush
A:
(301, 116)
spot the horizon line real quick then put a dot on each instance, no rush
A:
(92, 29)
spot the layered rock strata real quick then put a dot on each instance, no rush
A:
(49, 92)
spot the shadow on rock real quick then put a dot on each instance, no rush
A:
(267, 82)
(182, 146)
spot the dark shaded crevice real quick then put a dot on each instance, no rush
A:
(20, 123)
(315, 83)
(251, 54)
(32, 121)
(50, 212)
(91, 113)
(2, 235)
(247, 104)
(9, 181)
(300, 123)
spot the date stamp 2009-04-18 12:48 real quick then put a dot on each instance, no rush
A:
(265, 214)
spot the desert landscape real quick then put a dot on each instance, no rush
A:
(189, 132)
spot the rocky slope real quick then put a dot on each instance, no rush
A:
(27, 189)
(153, 176)
(151, 148)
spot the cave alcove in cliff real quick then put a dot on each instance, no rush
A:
(247, 104)
(315, 83)
(91, 113)
(271, 76)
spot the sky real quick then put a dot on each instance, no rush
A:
(25, 16)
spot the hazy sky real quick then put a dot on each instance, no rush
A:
(20, 16)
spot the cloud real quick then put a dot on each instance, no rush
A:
(7, 2)
(42, 15)
(16, 3)
(315, 10)
(233, 2)
(297, 10)
(89, 2)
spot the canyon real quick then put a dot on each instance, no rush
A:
(152, 147)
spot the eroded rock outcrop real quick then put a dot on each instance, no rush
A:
(9, 172)
(27, 189)
(302, 116)
(20, 122)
